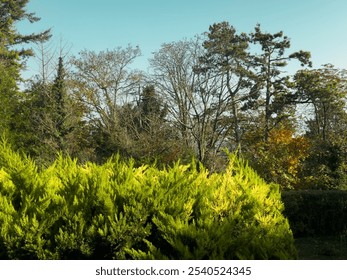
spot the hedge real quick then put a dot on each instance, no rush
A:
(119, 211)
(316, 212)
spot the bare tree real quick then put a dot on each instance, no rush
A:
(104, 82)
(196, 100)
(47, 54)
(173, 75)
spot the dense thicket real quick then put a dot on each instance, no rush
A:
(119, 211)
(200, 96)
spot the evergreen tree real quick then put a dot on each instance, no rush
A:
(150, 135)
(58, 100)
(275, 85)
(8, 94)
(62, 116)
(325, 91)
(12, 52)
(227, 56)
(51, 121)
(12, 12)
(151, 108)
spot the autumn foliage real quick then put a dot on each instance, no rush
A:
(280, 159)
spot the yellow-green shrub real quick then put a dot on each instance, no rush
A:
(119, 211)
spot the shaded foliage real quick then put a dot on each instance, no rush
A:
(316, 213)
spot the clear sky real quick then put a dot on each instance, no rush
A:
(318, 26)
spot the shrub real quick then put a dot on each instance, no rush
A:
(316, 212)
(119, 211)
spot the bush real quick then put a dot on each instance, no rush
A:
(316, 212)
(119, 211)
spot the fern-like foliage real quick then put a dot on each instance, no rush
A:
(119, 211)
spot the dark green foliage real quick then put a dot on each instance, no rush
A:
(50, 120)
(119, 211)
(12, 59)
(276, 86)
(8, 94)
(324, 90)
(12, 12)
(314, 212)
(325, 168)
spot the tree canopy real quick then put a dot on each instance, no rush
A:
(221, 90)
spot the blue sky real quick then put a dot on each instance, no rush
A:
(314, 25)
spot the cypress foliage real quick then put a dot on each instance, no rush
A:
(119, 211)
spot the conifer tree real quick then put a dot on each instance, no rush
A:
(271, 80)
(227, 56)
(51, 121)
(12, 12)
(59, 104)
(151, 108)
(12, 53)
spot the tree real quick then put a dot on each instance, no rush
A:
(272, 81)
(174, 78)
(8, 94)
(64, 116)
(151, 137)
(324, 91)
(227, 56)
(280, 159)
(58, 104)
(103, 82)
(151, 108)
(47, 56)
(11, 12)
(198, 86)
(196, 99)
(50, 120)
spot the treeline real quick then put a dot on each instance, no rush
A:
(220, 90)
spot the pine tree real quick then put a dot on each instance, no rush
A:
(227, 57)
(271, 80)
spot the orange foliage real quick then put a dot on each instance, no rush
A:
(280, 158)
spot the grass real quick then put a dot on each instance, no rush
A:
(322, 247)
